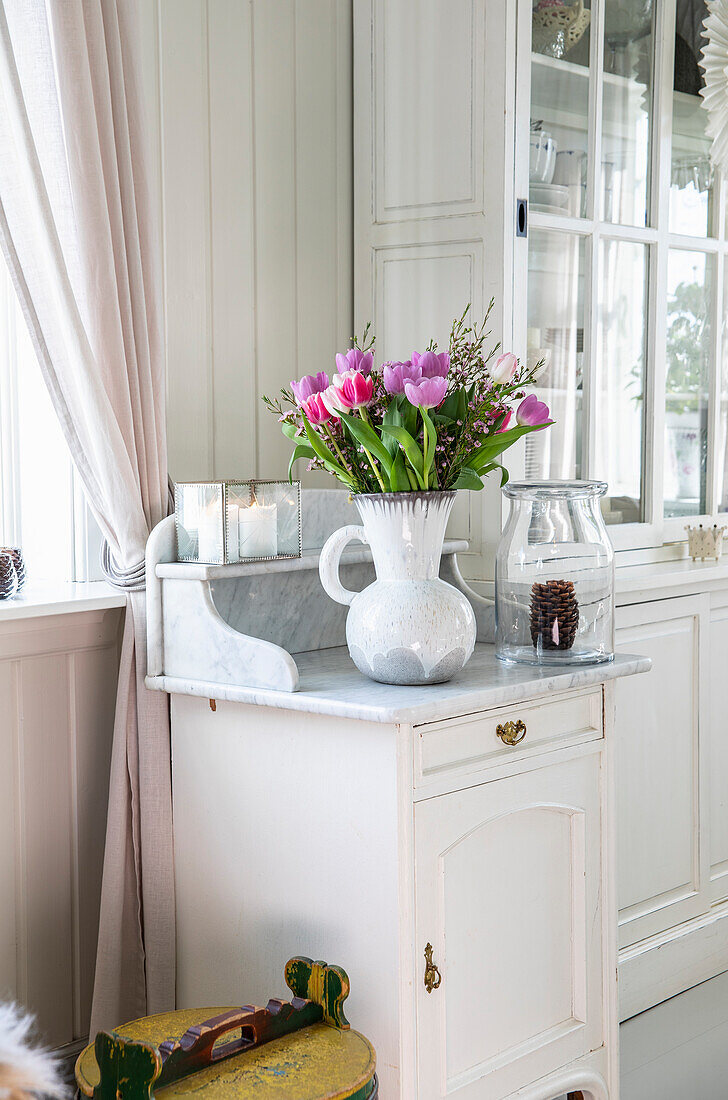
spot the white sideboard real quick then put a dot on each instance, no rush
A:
(369, 825)
(358, 823)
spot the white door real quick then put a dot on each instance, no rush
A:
(507, 881)
(660, 808)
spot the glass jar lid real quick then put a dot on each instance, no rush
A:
(555, 490)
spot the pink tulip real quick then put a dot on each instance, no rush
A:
(532, 412)
(504, 368)
(333, 401)
(396, 374)
(351, 390)
(506, 420)
(354, 360)
(432, 364)
(315, 410)
(427, 393)
(309, 384)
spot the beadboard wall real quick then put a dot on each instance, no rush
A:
(58, 687)
(251, 111)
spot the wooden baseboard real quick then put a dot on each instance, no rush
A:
(665, 965)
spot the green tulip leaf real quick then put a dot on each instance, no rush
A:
(468, 479)
(410, 448)
(499, 442)
(393, 417)
(301, 451)
(363, 433)
(431, 442)
(326, 456)
(399, 481)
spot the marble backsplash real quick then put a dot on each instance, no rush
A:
(291, 609)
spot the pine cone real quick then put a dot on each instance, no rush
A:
(18, 561)
(8, 577)
(554, 615)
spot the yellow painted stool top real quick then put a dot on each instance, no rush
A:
(319, 1062)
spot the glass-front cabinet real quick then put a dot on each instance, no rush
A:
(623, 264)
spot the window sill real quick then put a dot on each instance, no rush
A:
(55, 598)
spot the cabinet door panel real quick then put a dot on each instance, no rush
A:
(508, 888)
(657, 769)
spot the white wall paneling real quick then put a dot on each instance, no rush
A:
(250, 103)
(58, 682)
(433, 111)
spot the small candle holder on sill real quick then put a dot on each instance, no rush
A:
(224, 522)
(705, 542)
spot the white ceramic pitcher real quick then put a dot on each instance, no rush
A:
(408, 626)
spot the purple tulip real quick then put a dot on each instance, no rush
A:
(427, 393)
(396, 374)
(309, 384)
(354, 360)
(432, 364)
(504, 368)
(532, 412)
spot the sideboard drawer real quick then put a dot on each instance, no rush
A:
(474, 741)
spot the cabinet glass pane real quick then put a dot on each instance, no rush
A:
(689, 282)
(559, 108)
(620, 378)
(691, 181)
(556, 335)
(626, 111)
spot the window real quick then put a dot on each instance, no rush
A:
(42, 508)
(625, 260)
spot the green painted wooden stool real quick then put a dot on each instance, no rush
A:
(302, 1049)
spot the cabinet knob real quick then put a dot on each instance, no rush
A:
(511, 733)
(433, 977)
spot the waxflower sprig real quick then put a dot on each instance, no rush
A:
(438, 420)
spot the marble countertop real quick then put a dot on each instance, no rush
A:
(331, 684)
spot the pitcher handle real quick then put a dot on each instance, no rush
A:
(331, 557)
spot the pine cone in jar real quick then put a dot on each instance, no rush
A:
(18, 561)
(554, 615)
(8, 577)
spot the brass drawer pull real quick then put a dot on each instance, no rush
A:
(433, 977)
(511, 733)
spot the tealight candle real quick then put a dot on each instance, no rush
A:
(258, 531)
(233, 532)
(209, 536)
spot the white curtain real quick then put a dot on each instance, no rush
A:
(79, 232)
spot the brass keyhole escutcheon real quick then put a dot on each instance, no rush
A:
(433, 977)
(511, 733)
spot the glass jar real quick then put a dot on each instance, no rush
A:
(554, 575)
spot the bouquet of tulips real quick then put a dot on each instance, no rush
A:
(439, 420)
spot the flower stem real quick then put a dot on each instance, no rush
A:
(378, 476)
(425, 442)
(335, 445)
